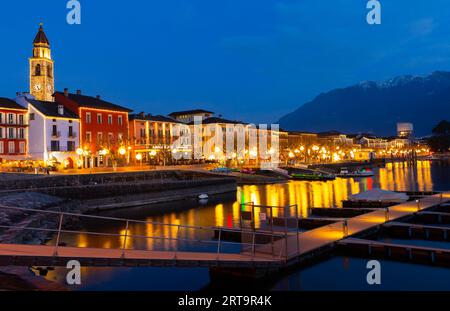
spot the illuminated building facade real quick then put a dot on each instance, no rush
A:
(152, 138)
(53, 132)
(103, 127)
(13, 130)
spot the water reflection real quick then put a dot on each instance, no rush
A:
(225, 210)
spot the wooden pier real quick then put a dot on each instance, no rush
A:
(400, 252)
(276, 250)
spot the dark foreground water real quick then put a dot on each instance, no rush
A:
(337, 273)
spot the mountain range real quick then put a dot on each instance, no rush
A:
(376, 107)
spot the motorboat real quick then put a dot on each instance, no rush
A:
(345, 173)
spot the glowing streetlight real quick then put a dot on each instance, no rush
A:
(122, 151)
(79, 151)
(138, 156)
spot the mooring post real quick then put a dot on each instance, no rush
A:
(418, 205)
(387, 214)
(58, 237)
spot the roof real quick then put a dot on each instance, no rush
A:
(195, 111)
(301, 133)
(93, 102)
(50, 109)
(330, 133)
(9, 103)
(41, 37)
(215, 120)
(149, 117)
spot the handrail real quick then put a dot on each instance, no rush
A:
(125, 220)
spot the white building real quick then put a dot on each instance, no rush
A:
(53, 134)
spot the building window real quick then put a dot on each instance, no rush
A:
(99, 137)
(88, 118)
(120, 136)
(71, 131)
(22, 147)
(37, 71)
(110, 119)
(1, 132)
(10, 118)
(110, 138)
(32, 116)
(55, 131)
(11, 147)
(54, 145)
(49, 70)
(11, 133)
(2, 150)
(99, 118)
(22, 133)
(120, 120)
(21, 119)
(70, 146)
(142, 133)
(88, 137)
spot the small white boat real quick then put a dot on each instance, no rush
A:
(203, 196)
(345, 173)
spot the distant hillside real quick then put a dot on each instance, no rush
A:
(377, 106)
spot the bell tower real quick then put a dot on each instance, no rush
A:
(42, 84)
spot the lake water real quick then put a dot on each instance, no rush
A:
(338, 273)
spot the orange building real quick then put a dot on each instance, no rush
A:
(103, 128)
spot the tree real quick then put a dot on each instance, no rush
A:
(440, 141)
(443, 128)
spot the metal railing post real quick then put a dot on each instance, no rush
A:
(345, 228)
(253, 244)
(418, 205)
(125, 239)
(58, 237)
(271, 229)
(387, 214)
(218, 243)
(297, 229)
(177, 241)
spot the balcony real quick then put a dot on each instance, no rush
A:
(72, 135)
(56, 134)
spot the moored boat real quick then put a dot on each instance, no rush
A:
(312, 177)
(345, 173)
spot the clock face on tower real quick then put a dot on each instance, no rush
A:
(49, 88)
(37, 87)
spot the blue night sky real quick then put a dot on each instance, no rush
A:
(250, 60)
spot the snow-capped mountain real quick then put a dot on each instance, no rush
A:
(376, 107)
